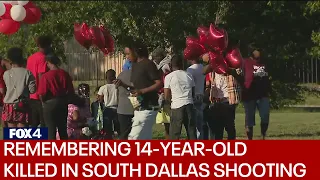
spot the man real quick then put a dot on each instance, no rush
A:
(146, 81)
(36, 63)
(179, 88)
(196, 70)
(109, 95)
(256, 91)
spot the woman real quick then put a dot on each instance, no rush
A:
(163, 61)
(256, 91)
(55, 88)
(19, 83)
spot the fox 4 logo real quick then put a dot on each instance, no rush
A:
(25, 133)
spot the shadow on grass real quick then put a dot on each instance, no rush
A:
(284, 135)
(296, 135)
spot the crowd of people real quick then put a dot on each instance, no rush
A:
(160, 90)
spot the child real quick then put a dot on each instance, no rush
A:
(78, 113)
(75, 119)
(84, 93)
(97, 110)
(109, 94)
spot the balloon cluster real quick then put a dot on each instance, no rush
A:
(100, 37)
(214, 42)
(12, 13)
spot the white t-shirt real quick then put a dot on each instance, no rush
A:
(196, 70)
(180, 83)
(221, 86)
(110, 96)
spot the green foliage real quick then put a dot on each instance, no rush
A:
(313, 9)
(285, 94)
(285, 30)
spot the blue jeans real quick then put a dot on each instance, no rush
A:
(198, 116)
(263, 106)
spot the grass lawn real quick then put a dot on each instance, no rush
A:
(283, 125)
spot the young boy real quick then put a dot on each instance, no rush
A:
(179, 88)
(108, 94)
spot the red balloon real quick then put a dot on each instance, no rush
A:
(203, 33)
(195, 42)
(29, 5)
(9, 26)
(218, 38)
(222, 68)
(215, 59)
(97, 37)
(234, 58)
(33, 15)
(109, 47)
(7, 13)
(202, 30)
(82, 35)
(192, 40)
(193, 51)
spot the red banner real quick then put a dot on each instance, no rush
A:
(160, 159)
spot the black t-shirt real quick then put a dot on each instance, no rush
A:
(143, 75)
(260, 86)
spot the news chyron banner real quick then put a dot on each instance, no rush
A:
(25, 157)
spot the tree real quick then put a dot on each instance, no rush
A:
(313, 11)
(285, 30)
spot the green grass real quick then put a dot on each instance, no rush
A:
(282, 126)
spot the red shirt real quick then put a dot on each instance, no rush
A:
(55, 83)
(36, 64)
(2, 85)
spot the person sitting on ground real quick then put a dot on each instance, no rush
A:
(75, 120)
